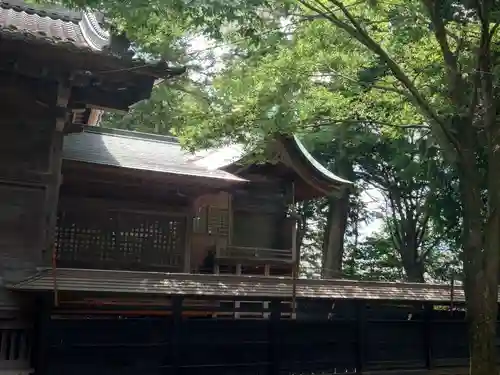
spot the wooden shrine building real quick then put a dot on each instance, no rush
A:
(121, 253)
(58, 68)
(168, 262)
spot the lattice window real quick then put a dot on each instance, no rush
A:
(218, 221)
(120, 240)
(212, 220)
(84, 238)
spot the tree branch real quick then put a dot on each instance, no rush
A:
(355, 30)
(331, 122)
(450, 59)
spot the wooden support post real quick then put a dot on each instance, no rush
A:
(55, 164)
(267, 270)
(42, 337)
(361, 338)
(237, 304)
(274, 339)
(176, 334)
(427, 325)
(187, 243)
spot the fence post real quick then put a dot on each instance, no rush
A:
(428, 307)
(42, 337)
(176, 333)
(274, 339)
(361, 336)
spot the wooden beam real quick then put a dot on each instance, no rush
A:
(81, 171)
(62, 101)
(84, 204)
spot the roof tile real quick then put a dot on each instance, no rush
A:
(21, 22)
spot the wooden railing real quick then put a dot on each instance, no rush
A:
(254, 254)
(244, 254)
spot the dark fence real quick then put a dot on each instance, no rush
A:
(354, 338)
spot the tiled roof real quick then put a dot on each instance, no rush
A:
(19, 20)
(135, 151)
(229, 286)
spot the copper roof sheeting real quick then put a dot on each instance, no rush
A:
(138, 151)
(72, 280)
(318, 167)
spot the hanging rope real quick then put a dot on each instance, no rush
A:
(452, 293)
(54, 276)
(295, 255)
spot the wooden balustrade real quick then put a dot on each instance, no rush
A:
(242, 253)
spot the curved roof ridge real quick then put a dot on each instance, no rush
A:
(229, 154)
(95, 36)
(317, 165)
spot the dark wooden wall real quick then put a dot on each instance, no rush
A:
(258, 218)
(30, 157)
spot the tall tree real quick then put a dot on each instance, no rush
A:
(406, 171)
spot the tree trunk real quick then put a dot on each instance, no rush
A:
(481, 248)
(409, 251)
(333, 245)
(482, 261)
(414, 271)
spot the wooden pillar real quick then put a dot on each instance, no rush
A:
(274, 339)
(187, 243)
(361, 322)
(40, 353)
(176, 334)
(237, 304)
(55, 164)
(427, 329)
